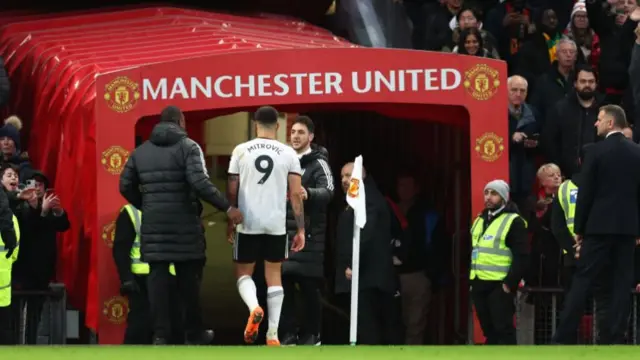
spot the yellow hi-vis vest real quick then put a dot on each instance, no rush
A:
(6, 265)
(139, 267)
(490, 256)
(568, 195)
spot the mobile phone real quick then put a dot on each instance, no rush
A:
(31, 184)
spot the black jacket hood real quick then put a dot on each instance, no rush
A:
(317, 152)
(167, 134)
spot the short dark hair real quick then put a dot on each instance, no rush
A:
(6, 166)
(306, 121)
(583, 67)
(618, 115)
(171, 114)
(266, 115)
(474, 10)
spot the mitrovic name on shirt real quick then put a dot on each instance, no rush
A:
(263, 166)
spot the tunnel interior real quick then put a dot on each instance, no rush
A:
(436, 151)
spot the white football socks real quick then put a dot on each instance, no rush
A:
(275, 297)
(248, 292)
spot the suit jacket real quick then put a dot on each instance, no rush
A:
(609, 199)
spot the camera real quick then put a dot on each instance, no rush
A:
(30, 184)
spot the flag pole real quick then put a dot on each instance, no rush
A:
(355, 279)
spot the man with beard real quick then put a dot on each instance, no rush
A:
(500, 251)
(570, 125)
(607, 223)
(304, 270)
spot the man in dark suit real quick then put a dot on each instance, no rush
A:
(606, 226)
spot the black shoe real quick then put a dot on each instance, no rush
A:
(313, 340)
(204, 337)
(160, 341)
(289, 340)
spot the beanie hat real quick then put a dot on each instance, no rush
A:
(499, 186)
(579, 6)
(11, 129)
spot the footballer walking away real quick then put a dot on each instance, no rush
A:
(259, 172)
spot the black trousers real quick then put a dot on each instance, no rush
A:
(139, 330)
(6, 326)
(307, 289)
(379, 317)
(596, 253)
(188, 279)
(495, 310)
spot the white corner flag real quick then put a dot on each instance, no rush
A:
(356, 199)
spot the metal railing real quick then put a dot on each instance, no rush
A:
(538, 315)
(39, 317)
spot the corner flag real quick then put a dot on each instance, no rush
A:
(356, 194)
(356, 199)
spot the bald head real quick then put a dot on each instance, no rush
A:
(345, 175)
(518, 88)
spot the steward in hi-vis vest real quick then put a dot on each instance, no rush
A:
(563, 214)
(8, 255)
(133, 273)
(499, 257)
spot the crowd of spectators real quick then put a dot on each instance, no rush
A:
(40, 217)
(566, 59)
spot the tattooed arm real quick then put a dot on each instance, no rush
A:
(295, 196)
(233, 181)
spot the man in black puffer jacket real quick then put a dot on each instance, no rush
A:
(304, 270)
(164, 178)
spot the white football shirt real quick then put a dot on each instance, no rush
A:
(263, 166)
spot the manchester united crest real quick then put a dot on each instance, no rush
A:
(354, 188)
(122, 94)
(116, 309)
(108, 233)
(114, 158)
(489, 146)
(482, 82)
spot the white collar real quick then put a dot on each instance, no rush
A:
(308, 151)
(497, 211)
(613, 132)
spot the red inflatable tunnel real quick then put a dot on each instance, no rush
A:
(82, 81)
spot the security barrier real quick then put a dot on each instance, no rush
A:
(39, 317)
(538, 315)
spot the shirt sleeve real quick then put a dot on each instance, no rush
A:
(234, 166)
(294, 164)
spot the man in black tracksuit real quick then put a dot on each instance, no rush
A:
(304, 270)
(164, 178)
